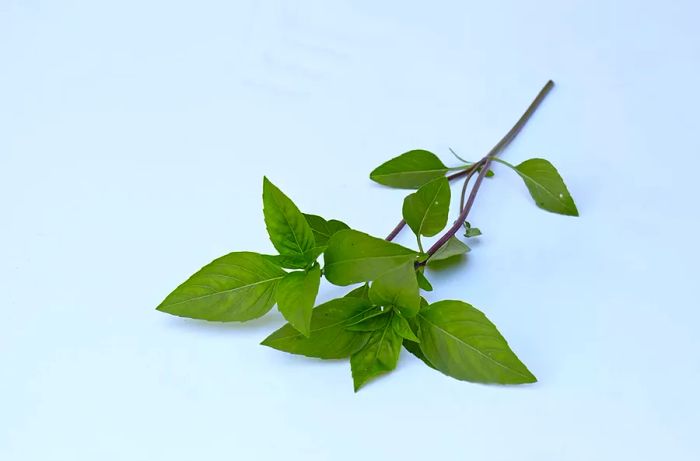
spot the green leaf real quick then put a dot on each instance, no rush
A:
(379, 355)
(236, 287)
(461, 342)
(372, 321)
(472, 232)
(289, 232)
(423, 282)
(288, 262)
(546, 187)
(403, 329)
(329, 338)
(409, 170)
(425, 211)
(359, 292)
(423, 303)
(397, 288)
(296, 295)
(414, 348)
(354, 256)
(323, 229)
(453, 247)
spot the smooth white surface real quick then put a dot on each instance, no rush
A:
(133, 140)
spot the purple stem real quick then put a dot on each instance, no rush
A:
(396, 231)
(485, 163)
(463, 215)
(392, 235)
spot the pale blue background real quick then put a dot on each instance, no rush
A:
(133, 140)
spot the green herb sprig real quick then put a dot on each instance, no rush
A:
(386, 311)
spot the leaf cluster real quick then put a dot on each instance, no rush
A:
(372, 322)
(385, 311)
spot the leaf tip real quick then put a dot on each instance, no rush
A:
(357, 383)
(526, 376)
(267, 342)
(162, 307)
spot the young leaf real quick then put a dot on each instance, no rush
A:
(296, 295)
(322, 229)
(461, 342)
(329, 338)
(403, 329)
(353, 256)
(289, 232)
(409, 170)
(546, 187)
(398, 288)
(453, 247)
(379, 355)
(426, 210)
(472, 232)
(236, 287)
(423, 282)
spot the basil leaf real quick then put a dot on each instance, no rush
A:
(472, 232)
(354, 256)
(237, 287)
(453, 247)
(425, 211)
(288, 262)
(379, 355)
(403, 329)
(423, 282)
(372, 321)
(412, 346)
(323, 229)
(359, 292)
(296, 295)
(423, 304)
(329, 338)
(461, 342)
(545, 185)
(289, 232)
(409, 170)
(398, 288)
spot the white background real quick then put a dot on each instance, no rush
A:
(133, 141)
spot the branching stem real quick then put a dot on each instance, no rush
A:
(483, 167)
(485, 163)
(392, 235)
